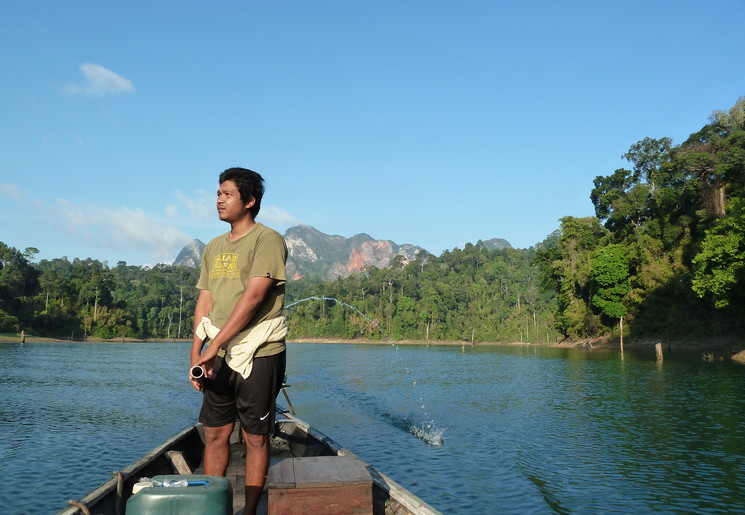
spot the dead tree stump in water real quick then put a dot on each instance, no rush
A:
(658, 351)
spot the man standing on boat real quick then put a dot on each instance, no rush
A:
(239, 313)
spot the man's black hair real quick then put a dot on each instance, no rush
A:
(249, 184)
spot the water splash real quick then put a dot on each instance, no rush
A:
(374, 323)
(429, 432)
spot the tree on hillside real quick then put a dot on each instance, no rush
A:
(720, 266)
(628, 199)
(566, 269)
(610, 272)
(649, 157)
(712, 159)
(717, 164)
(19, 281)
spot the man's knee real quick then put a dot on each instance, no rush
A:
(255, 441)
(220, 434)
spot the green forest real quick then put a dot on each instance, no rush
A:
(472, 294)
(86, 298)
(663, 257)
(665, 251)
(464, 294)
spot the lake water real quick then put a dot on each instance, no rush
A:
(489, 430)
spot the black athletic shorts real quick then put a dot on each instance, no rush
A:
(227, 395)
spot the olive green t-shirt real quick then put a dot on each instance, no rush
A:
(227, 266)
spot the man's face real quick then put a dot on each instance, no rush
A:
(230, 207)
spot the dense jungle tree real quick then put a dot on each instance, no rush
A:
(567, 271)
(719, 272)
(18, 281)
(610, 272)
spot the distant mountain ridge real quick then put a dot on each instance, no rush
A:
(312, 253)
(496, 244)
(315, 254)
(190, 255)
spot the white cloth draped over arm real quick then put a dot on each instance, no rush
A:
(239, 353)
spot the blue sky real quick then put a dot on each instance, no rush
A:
(427, 122)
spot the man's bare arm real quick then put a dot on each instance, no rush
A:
(204, 305)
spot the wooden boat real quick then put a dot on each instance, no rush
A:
(294, 439)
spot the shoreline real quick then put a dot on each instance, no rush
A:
(712, 347)
(6, 338)
(602, 342)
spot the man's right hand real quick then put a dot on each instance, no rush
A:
(195, 383)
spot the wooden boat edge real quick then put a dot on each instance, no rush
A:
(132, 469)
(396, 493)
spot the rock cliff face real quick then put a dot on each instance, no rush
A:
(190, 255)
(496, 244)
(315, 254)
(312, 253)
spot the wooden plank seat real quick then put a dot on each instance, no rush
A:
(319, 485)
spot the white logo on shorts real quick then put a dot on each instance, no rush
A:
(264, 417)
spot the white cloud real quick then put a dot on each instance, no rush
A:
(10, 190)
(201, 205)
(120, 229)
(100, 82)
(126, 230)
(70, 215)
(125, 227)
(274, 215)
(172, 212)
